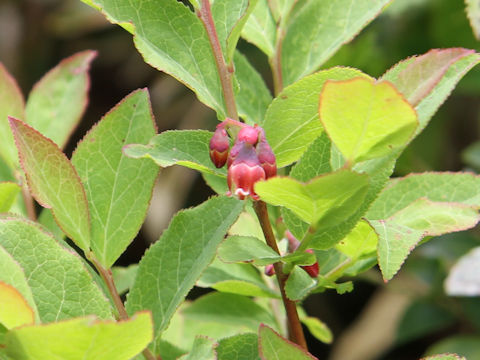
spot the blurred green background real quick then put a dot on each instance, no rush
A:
(402, 320)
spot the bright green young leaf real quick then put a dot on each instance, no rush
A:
(324, 201)
(240, 279)
(13, 274)
(60, 284)
(253, 96)
(247, 225)
(436, 186)
(316, 327)
(292, 122)
(444, 357)
(360, 242)
(172, 39)
(57, 102)
(299, 284)
(54, 182)
(273, 347)
(365, 119)
(230, 17)
(118, 188)
(203, 349)
(81, 339)
(432, 76)
(260, 28)
(238, 347)
(473, 13)
(11, 104)
(124, 277)
(170, 268)
(14, 309)
(318, 30)
(399, 234)
(8, 193)
(230, 309)
(188, 148)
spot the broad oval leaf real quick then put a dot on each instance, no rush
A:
(322, 202)
(11, 104)
(172, 39)
(118, 188)
(238, 347)
(170, 268)
(292, 122)
(365, 119)
(57, 102)
(61, 286)
(14, 309)
(273, 347)
(188, 148)
(53, 182)
(81, 339)
(427, 80)
(318, 30)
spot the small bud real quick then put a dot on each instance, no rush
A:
(266, 155)
(248, 134)
(269, 270)
(293, 242)
(313, 269)
(219, 146)
(244, 171)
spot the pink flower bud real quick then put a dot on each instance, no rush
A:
(312, 270)
(269, 270)
(244, 171)
(248, 134)
(293, 242)
(219, 146)
(266, 155)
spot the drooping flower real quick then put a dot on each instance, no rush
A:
(265, 155)
(219, 145)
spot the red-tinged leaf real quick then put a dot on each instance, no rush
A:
(423, 72)
(11, 104)
(272, 346)
(58, 101)
(14, 309)
(53, 181)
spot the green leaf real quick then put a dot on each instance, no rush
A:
(11, 104)
(8, 194)
(13, 274)
(421, 319)
(53, 182)
(316, 327)
(172, 39)
(57, 102)
(61, 285)
(124, 277)
(240, 279)
(365, 119)
(399, 234)
(229, 309)
(444, 357)
(238, 347)
(188, 148)
(246, 249)
(168, 351)
(292, 122)
(360, 242)
(473, 14)
(172, 265)
(203, 349)
(436, 186)
(118, 188)
(318, 30)
(273, 347)
(282, 8)
(253, 96)
(82, 339)
(324, 201)
(230, 16)
(260, 28)
(462, 279)
(299, 284)
(48, 221)
(433, 75)
(466, 346)
(14, 309)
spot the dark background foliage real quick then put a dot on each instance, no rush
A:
(400, 320)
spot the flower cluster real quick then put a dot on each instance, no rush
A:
(249, 160)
